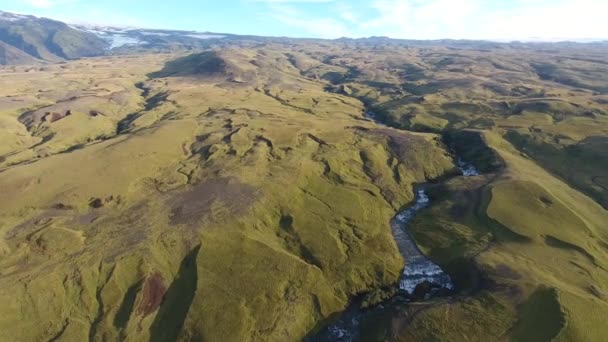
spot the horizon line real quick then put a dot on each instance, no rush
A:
(536, 40)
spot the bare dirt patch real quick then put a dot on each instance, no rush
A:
(152, 295)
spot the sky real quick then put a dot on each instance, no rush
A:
(502, 20)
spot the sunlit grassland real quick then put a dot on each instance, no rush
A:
(280, 188)
(241, 194)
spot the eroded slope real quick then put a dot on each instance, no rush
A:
(257, 206)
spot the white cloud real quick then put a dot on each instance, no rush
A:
(569, 19)
(411, 19)
(347, 13)
(422, 19)
(109, 18)
(93, 17)
(40, 3)
(322, 27)
(291, 1)
(47, 3)
(482, 19)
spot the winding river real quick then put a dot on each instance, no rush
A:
(419, 271)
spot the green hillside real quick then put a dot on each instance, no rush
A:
(240, 193)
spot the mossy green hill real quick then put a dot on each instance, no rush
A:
(240, 194)
(285, 203)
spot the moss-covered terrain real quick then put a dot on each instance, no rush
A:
(240, 194)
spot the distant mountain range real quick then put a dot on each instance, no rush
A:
(121, 37)
(26, 39)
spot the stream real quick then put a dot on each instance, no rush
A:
(418, 269)
(420, 278)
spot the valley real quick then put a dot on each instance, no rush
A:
(244, 190)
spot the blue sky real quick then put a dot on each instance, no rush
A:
(413, 19)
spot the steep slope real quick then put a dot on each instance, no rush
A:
(243, 194)
(551, 106)
(528, 250)
(258, 209)
(48, 39)
(10, 55)
(528, 236)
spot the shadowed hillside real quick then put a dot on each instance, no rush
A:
(44, 39)
(244, 192)
(264, 174)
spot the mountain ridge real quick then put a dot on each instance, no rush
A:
(46, 39)
(242, 188)
(50, 40)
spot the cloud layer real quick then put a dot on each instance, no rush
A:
(408, 19)
(48, 3)
(436, 19)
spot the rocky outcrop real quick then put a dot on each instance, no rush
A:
(51, 117)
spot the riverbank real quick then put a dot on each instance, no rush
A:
(421, 279)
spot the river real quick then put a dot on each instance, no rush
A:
(420, 275)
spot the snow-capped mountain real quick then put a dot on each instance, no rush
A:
(132, 36)
(27, 39)
(6, 16)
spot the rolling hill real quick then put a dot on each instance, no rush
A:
(242, 188)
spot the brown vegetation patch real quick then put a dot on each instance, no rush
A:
(545, 200)
(152, 296)
(504, 271)
(185, 149)
(95, 203)
(51, 117)
(401, 143)
(87, 218)
(191, 206)
(44, 219)
(61, 206)
(503, 279)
